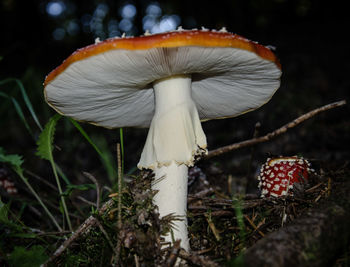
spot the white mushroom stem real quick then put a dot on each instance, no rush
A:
(171, 183)
(174, 139)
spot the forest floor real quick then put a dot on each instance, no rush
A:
(224, 230)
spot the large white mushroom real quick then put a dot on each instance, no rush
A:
(169, 82)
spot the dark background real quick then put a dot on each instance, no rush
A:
(309, 37)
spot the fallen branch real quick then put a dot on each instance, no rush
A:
(279, 131)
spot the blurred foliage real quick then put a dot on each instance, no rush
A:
(12, 251)
(31, 257)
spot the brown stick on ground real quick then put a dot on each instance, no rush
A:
(275, 133)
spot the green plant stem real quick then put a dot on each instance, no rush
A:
(61, 173)
(61, 194)
(45, 149)
(25, 180)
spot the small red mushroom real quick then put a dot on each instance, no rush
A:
(278, 175)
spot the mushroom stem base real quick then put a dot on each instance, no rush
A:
(171, 184)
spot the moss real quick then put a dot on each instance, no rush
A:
(89, 250)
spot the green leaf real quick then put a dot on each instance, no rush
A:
(13, 159)
(22, 257)
(45, 141)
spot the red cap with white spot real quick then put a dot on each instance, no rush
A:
(278, 175)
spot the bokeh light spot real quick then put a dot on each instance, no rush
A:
(113, 29)
(148, 22)
(155, 23)
(154, 9)
(125, 25)
(101, 10)
(58, 34)
(128, 11)
(55, 8)
(73, 27)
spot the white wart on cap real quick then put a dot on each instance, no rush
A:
(169, 82)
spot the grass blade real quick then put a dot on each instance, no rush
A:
(106, 160)
(25, 98)
(19, 111)
(87, 137)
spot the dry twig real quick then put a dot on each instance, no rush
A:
(98, 190)
(86, 201)
(279, 131)
(253, 225)
(212, 227)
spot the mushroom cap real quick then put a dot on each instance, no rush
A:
(278, 175)
(110, 83)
